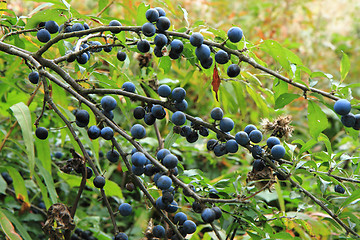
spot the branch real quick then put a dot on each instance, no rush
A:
(143, 189)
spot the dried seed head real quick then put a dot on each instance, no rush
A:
(280, 127)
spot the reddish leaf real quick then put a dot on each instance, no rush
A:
(216, 82)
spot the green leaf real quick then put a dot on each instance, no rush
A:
(8, 228)
(22, 114)
(351, 199)
(43, 153)
(19, 184)
(344, 66)
(285, 99)
(49, 182)
(140, 16)
(317, 119)
(282, 55)
(3, 185)
(44, 192)
(110, 188)
(165, 63)
(170, 139)
(19, 225)
(56, 15)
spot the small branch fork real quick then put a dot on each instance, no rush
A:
(81, 94)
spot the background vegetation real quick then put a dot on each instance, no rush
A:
(323, 38)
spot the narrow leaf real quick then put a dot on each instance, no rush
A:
(8, 228)
(18, 225)
(22, 114)
(170, 139)
(19, 184)
(216, 82)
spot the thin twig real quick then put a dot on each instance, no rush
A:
(215, 231)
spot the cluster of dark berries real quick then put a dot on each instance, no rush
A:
(343, 108)
(80, 234)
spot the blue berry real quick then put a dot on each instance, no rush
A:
(189, 227)
(180, 218)
(163, 24)
(139, 112)
(58, 155)
(162, 153)
(249, 128)
(196, 39)
(357, 122)
(52, 26)
(152, 15)
(108, 114)
(160, 11)
(232, 146)
(177, 46)
(160, 204)
(158, 111)
(108, 103)
(83, 58)
(172, 207)
(138, 171)
(34, 77)
(83, 117)
(182, 105)
(121, 236)
(202, 52)
(115, 23)
(160, 40)
(125, 209)
(113, 156)
(206, 63)
(89, 172)
(178, 118)
(178, 94)
(338, 188)
(121, 56)
(128, 86)
(77, 27)
(257, 151)
(277, 151)
(226, 124)
(170, 161)
(138, 159)
(211, 144)
(203, 131)
(242, 138)
(255, 136)
(233, 70)
(272, 141)
(99, 181)
(218, 212)
(149, 119)
(235, 34)
(143, 46)
(208, 215)
(221, 57)
(342, 107)
(148, 29)
(158, 231)
(138, 131)
(258, 165)
(41, 133)
(192, 137)
(86, 26)
(348, 120)
(164, 182)
(220, 150)
(43, 35)
(107, 133)
(217, 113)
